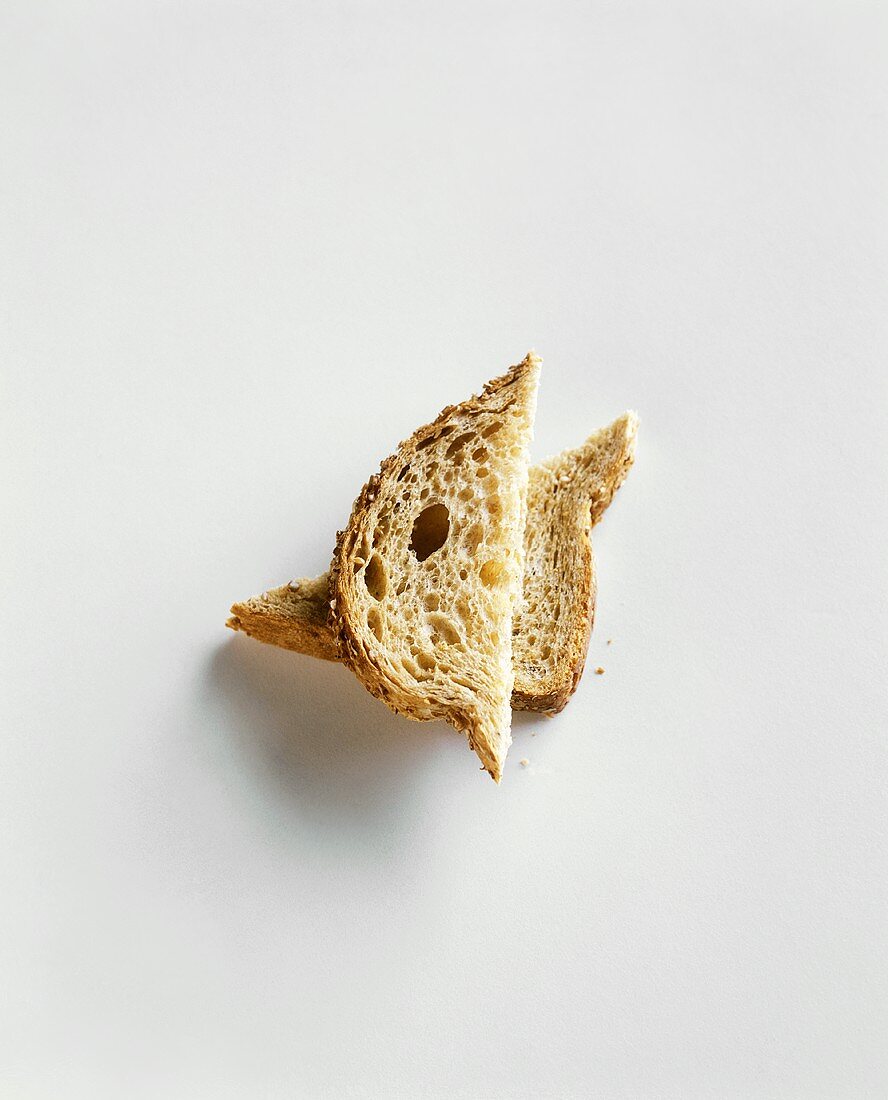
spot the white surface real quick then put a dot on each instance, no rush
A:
(245, 249)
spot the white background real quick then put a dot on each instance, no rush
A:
(245, 249)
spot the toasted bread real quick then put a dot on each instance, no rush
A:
(426, 574)
(296, 616)
(568, 494)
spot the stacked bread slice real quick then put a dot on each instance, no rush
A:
(464, 582)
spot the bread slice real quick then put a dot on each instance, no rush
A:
(567, 496)
(426, 575)
(297, 615)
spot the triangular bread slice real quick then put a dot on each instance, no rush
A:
(296, 616)
(567, 496)
(426, 575)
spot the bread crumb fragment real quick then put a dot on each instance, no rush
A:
(599, 671)
(524, 762)
(610, 641)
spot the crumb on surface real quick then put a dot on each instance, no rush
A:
(610, 641)
(599, 671)
(524, 762)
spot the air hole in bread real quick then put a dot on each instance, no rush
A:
(492, 572)
(458, 443)
(480, 454)
(474, 537)
(483, 472)
(375, 623)
(382, 529)
(411, 668)
(463, 574)
(442, 626)
(431, 602)
(466, 494)
(425, 661)
(492, 429)
(375, 577)
(430, 530)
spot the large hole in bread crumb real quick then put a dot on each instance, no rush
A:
(375, 577)
(492, 572)
(442, 626)
(459, 443)
(430, 530)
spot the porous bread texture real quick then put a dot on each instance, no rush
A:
(567, 496)
(294, 616)
(426, 575)
(297, 616)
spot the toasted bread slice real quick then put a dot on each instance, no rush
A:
(297, 616)
(426, 574)
(567, 496)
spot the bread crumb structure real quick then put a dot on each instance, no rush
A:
(427, 574)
